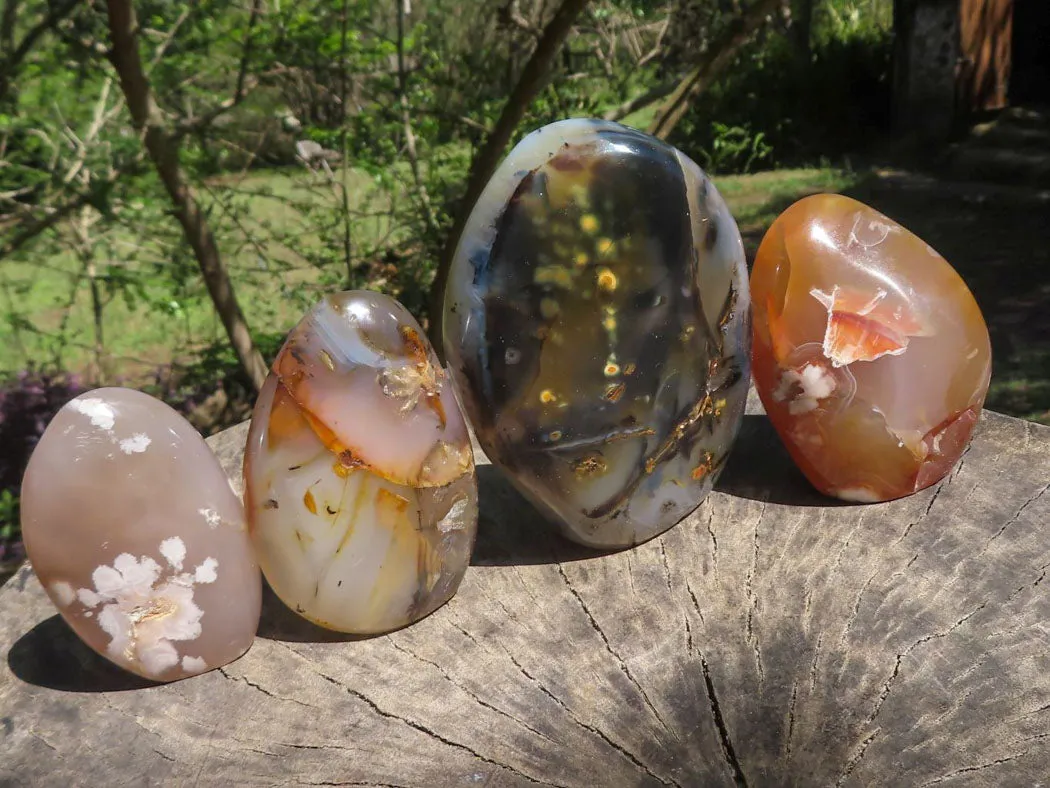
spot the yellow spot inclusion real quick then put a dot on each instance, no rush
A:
(606, 280)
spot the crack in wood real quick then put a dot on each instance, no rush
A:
(724, 740)
(259, 688)
(959, 465)
(752, 638)
(971, 769)
(791, 720)
(377, 709)
(852, 763)
(473, 696)
(667, 569)
(630, 756)
(926, 512)
(608, 647)
(813, 667)
(1017, 515)
(696, 604)
(714, 541)
(900, 658)
(856, 609)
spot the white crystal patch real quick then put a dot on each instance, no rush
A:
(206, 572)
(455, 519)
(210, 516)
(136, 444)
(101, 414)
(63, 592)
(174, 551)
(857, 494)
(810, 385)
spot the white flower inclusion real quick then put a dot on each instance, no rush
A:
(100, 413)
(805, 388)
(211, 517)
(145, 615)
(136, 444)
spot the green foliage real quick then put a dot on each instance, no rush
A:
(774, 108)
(735, 149)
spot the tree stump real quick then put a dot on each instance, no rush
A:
(774, 637)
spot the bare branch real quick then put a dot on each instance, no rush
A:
(533, 78)
(163, 150)
(406, 121)
(719, 55)
(10, 63)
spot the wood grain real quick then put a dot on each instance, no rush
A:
(771, 638)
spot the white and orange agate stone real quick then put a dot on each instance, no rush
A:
(870, 354)
(137, 537)
(359, 475)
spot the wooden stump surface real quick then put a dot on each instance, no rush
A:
(773, 637)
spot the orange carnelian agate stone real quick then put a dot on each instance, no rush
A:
(870, 354)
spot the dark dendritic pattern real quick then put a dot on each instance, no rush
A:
(575, 322)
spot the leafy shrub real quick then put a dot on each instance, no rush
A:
(793, 111)
(735, 149)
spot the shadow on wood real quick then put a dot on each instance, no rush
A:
(512, 533)
(279, 622)
(760, 469)
(50, 655)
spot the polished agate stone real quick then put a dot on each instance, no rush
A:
(359, 476)
(597, 320)
(136, 535)
(870, 353)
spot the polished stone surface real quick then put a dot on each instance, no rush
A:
(359, 476)
(131, 525)
(597, 322)
(870, 354)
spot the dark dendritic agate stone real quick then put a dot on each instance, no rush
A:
(597, 322)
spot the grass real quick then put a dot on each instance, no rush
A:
(167, 314)
(757, 199)
(276, 280)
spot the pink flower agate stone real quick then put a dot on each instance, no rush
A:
(137, 537)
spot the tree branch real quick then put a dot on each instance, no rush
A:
(533, 78)
(406, 122)
(719, 55)
(163, 151)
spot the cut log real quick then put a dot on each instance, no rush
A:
(774, 637)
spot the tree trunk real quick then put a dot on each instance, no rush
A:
(532, 80)
(772, 638)
(163, 151)
(719, 55)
